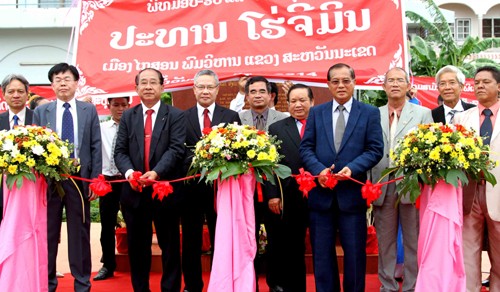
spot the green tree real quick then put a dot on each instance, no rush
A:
(439, 48)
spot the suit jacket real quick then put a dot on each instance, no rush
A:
(166, 152)
(411, 116)
(438, 113)
(470, 118)
(361, 149)
(286, 131)
(5, 122)
(193, 131)
(272, 117)
(89, 135)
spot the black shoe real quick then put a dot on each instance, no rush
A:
(276, 289)
(103, 274)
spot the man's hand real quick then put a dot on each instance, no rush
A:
(92, 196)
(322, 175)
(275, 205)
(241, 84)
(343, 174)
(286, 86)
(148, 178)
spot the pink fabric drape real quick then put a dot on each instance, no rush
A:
(440, 252)
(235, 246)
(23, 238)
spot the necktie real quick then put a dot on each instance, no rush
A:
(486, 127)
(206, 119)
(148, 130)
(303, 122)
(67, 131)
(112, 165)
(16, 120)
(394, 126)
(452, 116)
(339, 127)
(259, 124)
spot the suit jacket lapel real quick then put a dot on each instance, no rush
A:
(4, 121)
(217, 115)
(194, 120)
(161, 119)
(81, 113)
(138, 125)
(406, 117)
(384, 117)
(292, 131)
(52, 116)
(328, 124)
(351, 123)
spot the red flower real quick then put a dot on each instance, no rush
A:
(305, 181)
(162, 189)
(371, 192)
(206, 131)
(100, 186)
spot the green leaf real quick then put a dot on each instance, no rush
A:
(282, 171)
(233, 169)
(214, 174)
(489, 177)
(453, 175)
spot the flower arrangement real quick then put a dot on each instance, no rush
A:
(433, 152)
(28, 149)
(228, 150)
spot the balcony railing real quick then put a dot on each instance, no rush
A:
(38, 4)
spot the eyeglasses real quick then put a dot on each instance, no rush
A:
(336, 82)
(444, 84)
(65, 79)
(207, 87)
(395, 81)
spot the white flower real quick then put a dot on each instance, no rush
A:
(64, 151)
(37, 150)
(8, 145)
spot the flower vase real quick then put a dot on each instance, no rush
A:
(440, 252)
(235, 246)
(23, 237)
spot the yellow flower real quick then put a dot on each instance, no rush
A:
(447, 148)
(31, 162)
(262, 156)
(419, 171)
(51, 160)
(435, 154)
(251, 153)
(12, 169)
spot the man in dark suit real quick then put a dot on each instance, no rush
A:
(343, 137)
(151, 141)
(15, 90)
(286, 219)
(450, 81)
(198, 198)
(78, 123)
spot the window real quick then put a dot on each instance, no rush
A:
(54, 3)
(491, 27)
(462, 28)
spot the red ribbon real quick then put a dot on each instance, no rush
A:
(162, 189)
(134, 182)
(305, 180)
(371, 192)
(100, 186)
(331, 181)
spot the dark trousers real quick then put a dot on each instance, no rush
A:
(198, 206)
(139, 237)
(78, 223)
(285, 249)
(260, 209)
(108, 210)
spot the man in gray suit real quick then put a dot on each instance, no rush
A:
(78, 123)
(15, 89)
(397, 117)
(258, 94)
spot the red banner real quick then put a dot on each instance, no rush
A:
(276, 38)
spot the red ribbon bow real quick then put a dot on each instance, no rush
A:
(136, 176)
(305, 181)
(162, 189)
(100, 186)
(331, 181)
(371, 192)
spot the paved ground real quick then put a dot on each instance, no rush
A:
(95, 231)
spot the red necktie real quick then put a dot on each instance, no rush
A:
(304, 121)
(206, 119)
(148, 130)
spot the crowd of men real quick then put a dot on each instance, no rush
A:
(344, 137)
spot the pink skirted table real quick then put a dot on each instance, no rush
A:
(235, 246)
(23, 238)
(440, 252)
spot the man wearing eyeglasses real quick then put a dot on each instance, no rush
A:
(198, 198)
(77, 122)
(450, 81)
(398, 116)
(342, 137)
